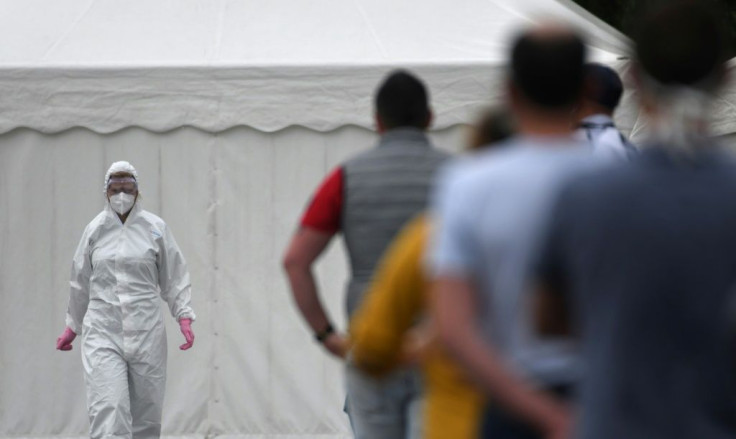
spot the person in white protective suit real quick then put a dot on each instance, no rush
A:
(126, 260)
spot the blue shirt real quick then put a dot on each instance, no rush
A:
(646, 257)
(490, 211)
(605, 138)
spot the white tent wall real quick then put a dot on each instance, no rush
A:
(232, 200)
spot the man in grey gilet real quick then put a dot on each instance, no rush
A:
(368, 199)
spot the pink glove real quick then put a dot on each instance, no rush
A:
(186, 328)
(64, 342)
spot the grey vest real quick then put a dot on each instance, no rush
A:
(383, 189)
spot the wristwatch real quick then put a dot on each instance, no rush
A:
(322, 335)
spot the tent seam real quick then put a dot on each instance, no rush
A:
(69, 31)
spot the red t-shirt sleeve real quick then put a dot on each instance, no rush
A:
(325, 210)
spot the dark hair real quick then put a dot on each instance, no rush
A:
(603, 85)
(681, 43)
(492, 126)
(548, 68)
(401, 101)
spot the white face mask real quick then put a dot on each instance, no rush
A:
(122, 202)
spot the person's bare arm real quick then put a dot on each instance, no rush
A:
(305, 248)
(454, 310)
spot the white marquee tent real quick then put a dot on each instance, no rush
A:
(232, 111)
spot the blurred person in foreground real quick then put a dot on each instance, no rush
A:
(384, 330)
(369, 199)
(602, 93)
(640, 262)
(490, 214)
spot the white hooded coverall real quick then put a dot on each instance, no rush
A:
(118, 274)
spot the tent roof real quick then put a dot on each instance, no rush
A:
(93, 33)
(214, 64)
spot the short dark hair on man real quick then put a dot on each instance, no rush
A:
(681, 43)
(603, 85)
(547, 67)
(401, 101)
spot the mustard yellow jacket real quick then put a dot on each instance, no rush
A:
(396, 300)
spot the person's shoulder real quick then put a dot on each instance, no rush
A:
(462, 169)
(375, 150)
(360, 156)
(97, 226)
(499, 156)
(152, 219)
(155, 224)
(99, 219)
(474, 167)
(600, 179)
(97, 222)
(379, 152)
(724, 155)
(518, 159)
